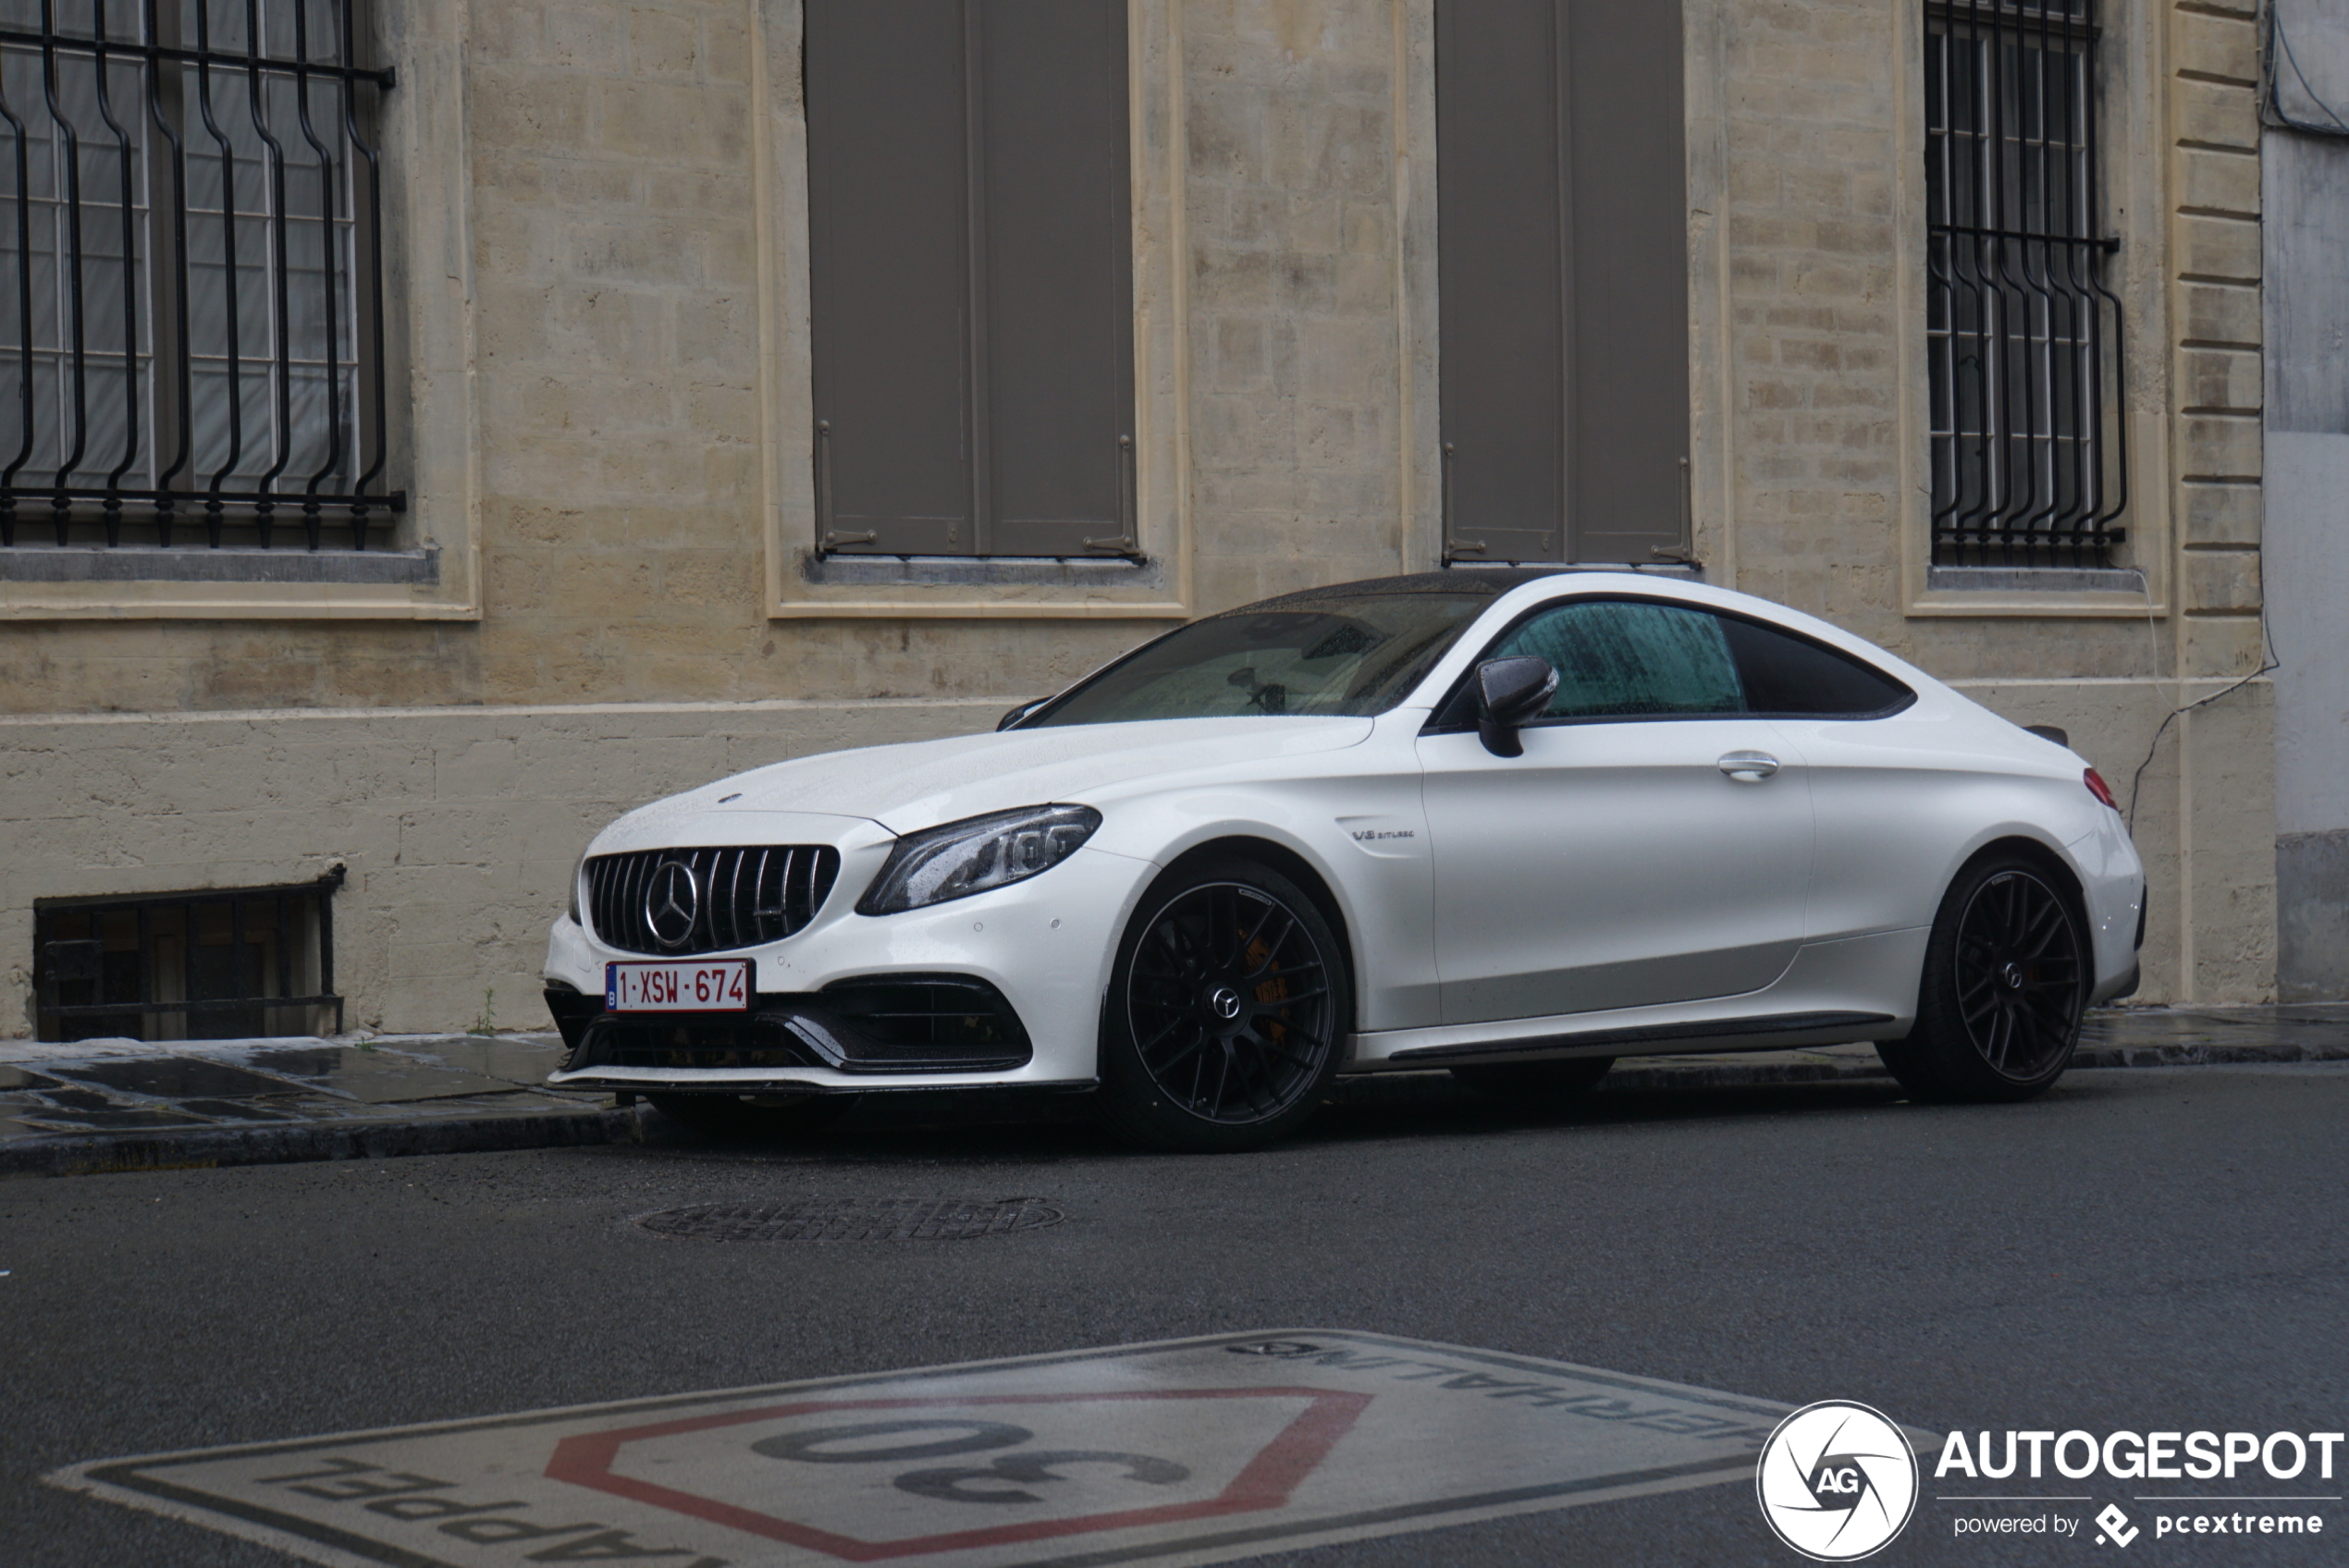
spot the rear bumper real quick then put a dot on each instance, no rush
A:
(2112, 885)
(2114, 989)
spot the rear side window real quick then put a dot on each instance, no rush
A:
(1618, 658)
(1792, 676)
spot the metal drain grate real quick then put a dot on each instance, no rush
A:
(853, 1220)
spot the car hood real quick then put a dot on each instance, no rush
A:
(908, 788)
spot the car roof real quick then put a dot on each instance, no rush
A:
(1499, 583)
(1489, 582)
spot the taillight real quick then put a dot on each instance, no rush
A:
(2099, 789)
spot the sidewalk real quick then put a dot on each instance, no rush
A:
(121, 1104)
(125, 1105)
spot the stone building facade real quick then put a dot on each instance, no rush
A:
(610, 580)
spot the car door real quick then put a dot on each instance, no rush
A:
(1652, 844)
(1897, 797)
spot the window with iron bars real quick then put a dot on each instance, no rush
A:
(211, 965)
(2029, 460)
(192, 320)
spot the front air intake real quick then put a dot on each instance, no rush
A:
(672, 903)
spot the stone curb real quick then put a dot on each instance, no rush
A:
(283, 1143)
(280, 1144)
(1632, 1077)
(1726, 1075)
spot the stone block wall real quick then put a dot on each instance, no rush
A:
(1292, 198)
(459, 827)
(2213, 147)
(614, 251)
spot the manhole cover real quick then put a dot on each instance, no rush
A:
(853, 1220)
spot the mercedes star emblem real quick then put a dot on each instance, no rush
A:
(672, 902)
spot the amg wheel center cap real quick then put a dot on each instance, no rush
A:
(2012, 974)
(1224, 1002)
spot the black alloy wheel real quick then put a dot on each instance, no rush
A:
(1227, 1012)
(2006, 980)
(2018, 975)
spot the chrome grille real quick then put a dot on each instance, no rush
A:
(740, 898)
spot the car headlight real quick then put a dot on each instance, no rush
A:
(577, 870)
(976, 856)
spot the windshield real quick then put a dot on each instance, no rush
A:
(1346, 656)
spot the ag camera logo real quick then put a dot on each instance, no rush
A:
(1837, 1481)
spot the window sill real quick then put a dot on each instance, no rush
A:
(52, 563)
(1688, 571)
(45, 583)
(2025, 591)
(2034, 580)
(846, 587)
(976, 571)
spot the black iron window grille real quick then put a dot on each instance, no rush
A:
(220, 965)
(2029, 458)
(192, 320)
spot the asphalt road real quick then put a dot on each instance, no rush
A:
(2140, 1249)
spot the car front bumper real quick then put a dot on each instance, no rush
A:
(1045, 944)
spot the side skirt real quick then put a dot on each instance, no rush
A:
(1726, 1033)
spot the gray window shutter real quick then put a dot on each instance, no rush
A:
(888, 268)
(1058, 247)
(1562, 260)
(1630, 422)
(970, 268)
(1502, 257)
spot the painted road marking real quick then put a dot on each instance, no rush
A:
(1188, 1452)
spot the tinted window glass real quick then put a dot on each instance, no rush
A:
(1343, 655)
(1617, 659)
(1786, 674)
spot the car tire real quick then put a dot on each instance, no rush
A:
(1535, 1082)
(1228, 1010)
(2006, 979)
(744, 1116)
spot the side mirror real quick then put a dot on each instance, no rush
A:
(1510, 693)
(1011, 719)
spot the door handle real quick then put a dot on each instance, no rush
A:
(1748, 767)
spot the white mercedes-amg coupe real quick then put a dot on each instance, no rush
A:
(1514, 824)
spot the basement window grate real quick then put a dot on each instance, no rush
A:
(219, 964)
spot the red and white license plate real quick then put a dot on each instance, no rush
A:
(717, 986)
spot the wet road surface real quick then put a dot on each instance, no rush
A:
(2141, 1249)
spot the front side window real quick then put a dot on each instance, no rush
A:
(1625, 658)
(191, 275)
(2023, 337)
(1618, 659)
(1334, 656)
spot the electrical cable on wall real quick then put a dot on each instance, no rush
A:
(2267, 644)
(2274, 42)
